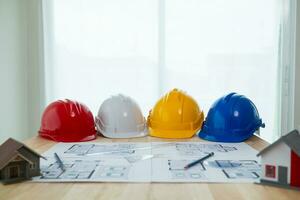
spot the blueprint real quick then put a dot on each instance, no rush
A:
(150, 162)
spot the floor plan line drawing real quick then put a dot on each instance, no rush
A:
(95, 149)
(150, 162)
(117, 171)
(233, 163)
(180, 164)
(73, 170)
(194, 149)
(176, 168)
(240, 174)
(81, 149)
(238, 168)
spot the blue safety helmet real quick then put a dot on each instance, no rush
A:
(232, 118)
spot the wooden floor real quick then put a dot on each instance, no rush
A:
(139, 191)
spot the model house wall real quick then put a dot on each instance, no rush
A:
(21, 166)
(18, 162)
(280, 161)
(280, 155)
(34, 169)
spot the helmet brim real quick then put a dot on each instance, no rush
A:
(58, 138)
(124, 135)
(219, 138)
(172, 134)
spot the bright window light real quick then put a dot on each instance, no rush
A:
(144, 48)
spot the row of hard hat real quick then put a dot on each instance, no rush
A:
(232, 118)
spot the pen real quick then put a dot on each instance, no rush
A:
(60, 163)
(198, 161)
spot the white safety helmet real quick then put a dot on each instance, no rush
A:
(121, 117)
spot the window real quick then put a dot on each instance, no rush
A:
(32, 166)
(144, 48)
(270, 171)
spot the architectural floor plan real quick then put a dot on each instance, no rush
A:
(150, 162)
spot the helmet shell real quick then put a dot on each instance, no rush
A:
(67, 121)
(175, 115)
(120, 117)
(232, 118)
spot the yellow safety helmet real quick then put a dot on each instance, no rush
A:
(175, 115)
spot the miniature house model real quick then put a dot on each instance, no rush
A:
(280, 161)
(17, 162)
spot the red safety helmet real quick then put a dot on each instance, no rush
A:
(67, 121)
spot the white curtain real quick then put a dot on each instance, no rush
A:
(144, 48)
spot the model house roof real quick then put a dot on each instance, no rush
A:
(292, 139)
(9, 149)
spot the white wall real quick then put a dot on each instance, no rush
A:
(19, 89)
(13, 70)
(36, 96)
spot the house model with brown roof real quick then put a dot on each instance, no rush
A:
(280, 162)
(18, 162)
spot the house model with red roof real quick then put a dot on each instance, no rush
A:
(280, 162)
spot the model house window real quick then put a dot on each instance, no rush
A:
(270, 171)
(14, 171)
(32, 166)
(144, 48)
